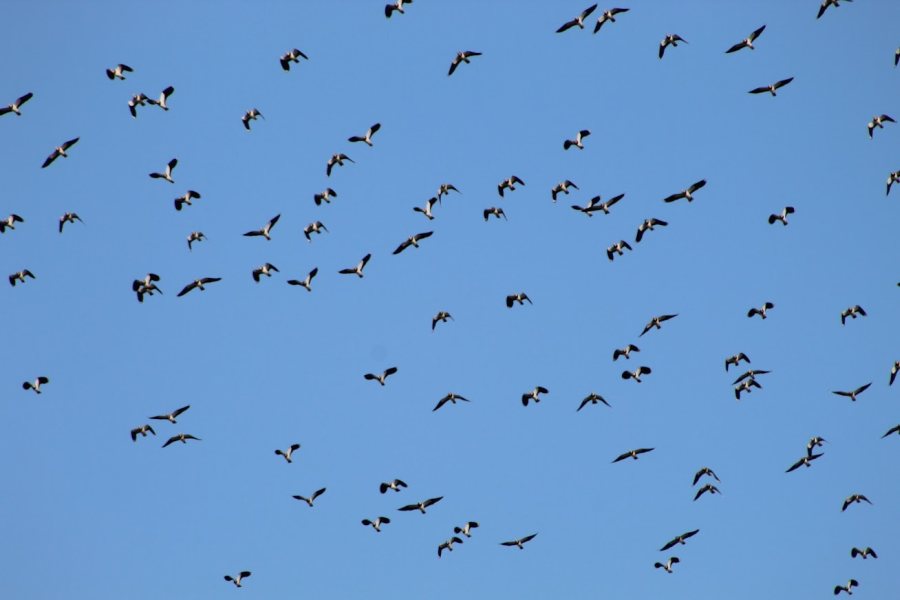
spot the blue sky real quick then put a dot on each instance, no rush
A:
(89, 514)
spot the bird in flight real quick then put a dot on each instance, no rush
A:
(509, 183)
(444, 190)
(617, 249)
(20, 277)
(636, 375)
(852, 583)
(15, 106)
(441, 317)
(688, 194)
(814, 442)
(181, 437)
(594, 205)
(853, 394)
(656, 322)
(163, 98)
(147, 286)
(893, 177)
(448, 545)
(495, 211)
(667, 567)
(806, 461)
(852, 312)
(59, 151)
(412, 240)
(194, 236)
(358, 269)
(237, 580)
(135, 101)
(633, 454)
(609, 16)
(265, 269)
(865, 553)
(787, 210)
(521, 297)
(377, 523)
(761, 311)
(142, 431)
(592, 398)
(577, 21)
(167, 173)
(854, 499)
(306, 283)
(562, 188)
(380, 378)
(188, 198)
(452, 398)
(395, 485)
(671, 39)
(822, 9)
(746, 42)
(35, 385)
(578, 142)
(198, 283)
(648, 225)
(368, 137)
(397, 6)
(735, 360)
(287, 454)
(316, 227)
(626, 351)
(878, 121)
(336, 159)
(461, 57)
(251, 115)
(421, 506)
(172, 416)
(429, 204)
(9, 222)
(466, 529)
(895, 368)
(520, 543)
(264, 232)
(679, 539)
(771, 88)
(705, 472)
(534, 395)
(324, 196)
(312, 497)
(118, 72)
(291, 56)
(746, 386)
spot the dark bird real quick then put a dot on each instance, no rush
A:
(534, 395)
(787, 210)
(306, 283)
(687, 194)
(562, 188)
(746, 42)
(806, 461)
(895, 368)
(10, 222)
(594, 205)
(497, 212)
(466, 529)
(746, 386)
(324, 196)
(679, 539)
(865, 553)
(852, 395)
(59, 151)
(444, 190)
(617, 249)
(421, 506)
(878, 121)
(592, 398)
(893, 178)
(670, 39)
(577, 21)
(852, 583)
(441, 317)
(706, 488)
(633, 454)
(636, 375)
(761, 311)
(852, 312)
(181, 437)
(626, 351)
(265, 269)
(657, 323)
(668, 566)
(814, 442)
(751, 373)
(735, 360)
(172, 416)
(894, 429)
(194, 236)
(15, 106)
(167, 173)
(69, 217)
(822, 9)
(521, 297)
(316, 227)
(291, 56)
(135, 101)
(312, 498)
(146, 286)
(448, 545)
(188, 198)
(198, 283)
(264, 232)
(705, 471)
(118, 72)
(648, 225)
(608, 16)
(412, 240)
(288, 453)
(896, 56)
(336, 159)
(35, 385)
(358, 269)
(771, 88)
(142, 431)
(519, 542)
(237, 580)
(509, 183)
(20, 276)
(578, 142)
(392, 485)
(368, 137)
(854, 499)
(251, 115)
(377, 523)
(452, 398)
(461, 57)
(396, 6)
(380, 378)
(163, 97)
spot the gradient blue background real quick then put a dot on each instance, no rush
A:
(89, 514)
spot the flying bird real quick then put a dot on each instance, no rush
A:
(787, 210)
(852, 395)
(687, 194)
(562, 188)
(633, 454)
(118, 72)
(822, 9)
(288, 453)
(878, 121)
(444, 190)
(59, 151)
(265, 269)
(312, 498)
(706, 488)
(377, 523)
(198, 283)
(648, 225)
(521, 297)
(316, 227)
(266, 230)
(854, 499)
(751, 373)
(577, 21)
(172, 416)
(814, 442)
(291, 56)
(188, 198)
(167, 173)
(852, 312)
(421, 506)
(336, 159)
(805, 461)
(324, 196)
(746, 42)
(594, 205)
(657, 323)
(534, 395)
(35, 385)
(519, 542)
(181, 437)
(668, 566)
(735, 360)
(68, 217)
(194, 236)
(412, 240)
(617, 249)
(626, 351)
(395, 485)
(306, 283)
(237, 580)
(896, 56)
(10, 222)
(397, 6)
(865, 553)
(636, 375)
(20, 277)
(746, 386)
(895, 368)
(251, 115)
(495, 211)
(146, 286)
(771, 88)
(670, 39)
(429, 204)
(761, 311)
(893, 178)
(578, 142)
(142, 431)
(705, 472)
(852, 583)
(368, 137)
(441, 317)
(135, 101)
(358, 269)
(609, 16)
(466, 529)
(163, 97)
(380, 378)
(592, 398)
(679, 539)
(448, 545)
(509, 183)
(461, 57)
(15, 106)
(452, 398)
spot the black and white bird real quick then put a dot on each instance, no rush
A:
(444, 190)
(578, 142)
(395, 485)
(181, 437)
(865, 553)
(266, 229)
(626, 351)
(380, 378)
(291, 56)
(667, 567)
(771, 89)
(429, 204)
(194, 236)
(636, 374)
(188, 198)
(735, 360)
(466, 529)
(136, 101)
(854, 499)
(562, 188)
(608, 16)
(441, 317)
(367, 139)
(358, 269)
(688, 194)
(783, 216)
(671, 39)
(852, 583)
(141, 431)
(172, 416)
(822, 9)
(316, 227)
(59, 151)
(751, 374)
(577, 21)
(895, 368)
(10, 222)
(854, 393)
(521, 297)
(494, 211)
(452, 398)
(324, 196)
(461, 57)
(35, 385)
(632, 454)
(519, 543)
(118, 72)
(813, 443)
(167, 173)
(265, 269)
(251, 115)
(594, 204)
(747, 386)
(893, 177)
(311, 498)
(146, 286)
(17, 105)
(878, 121)
(397, 6)
(377, 523)
(237, 580)
(679, 539)
(534, 395)
(705, 472)
(761, 311)
(19, 277)
(648, 225)
(852, 312)
(198, 284)
(747, 42)
(287, 454)
(448, 545)
(336, 159)
(163, 98)
(617, 249)
(305, 283)
(421, 506)
(509, 183)
(656, 322)
(805, 461)
(413, 241)
(592, 398)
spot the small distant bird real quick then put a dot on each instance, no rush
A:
(495, 211)
(814, 442)
(163, 97)
(594, 205)
(609, 15)
(852, 395)
(746, 386)
(626, 351)
(291, 56)
(9, 222)
(448, 545)
(20, 276)
(452, 398)
(395, 485)
(266, 230)
(534, 395)
(312, 498)
(670, 39)
(15, 106)
(854, 499)
(35, 385)
(865, 553)
(668, 566)
(358, 269)
(592, 398)
(336, 159)
(181, 437)
(59, 151)
(852, 583)
(822, 9)
(687, 194)
(198, 283)
(172, 416)
(188, 198)
(167, 174)
(895, 368)
(896, 56)
(633, 454)
(306, 283)
(562, 188)
(412, 240)
(316, 227)
(142, 431)
(636, 375)
(751, 373)
(441, 317)
(521, 297)
(466, 529)
(461, 57)
(657, 323)
(679, 539)
(118, 72)
(368, 137)
(805, 461)
(324, 196)
(147, 286)
(397, 6)
(735, 360)
(377, 523)
(237, 580)
(578, 142)
(519, 542)
(421, 506)
(577, 21)
(771, 88)
(69, 217)
(265, 269)
(746, 42)
(617, 249)
(380, 378)
(705, 471)
(761, 311)
(509, 183)
(137, 100)
(195, 236)
(288, 453)
(893, 178)
(444, 190)
(429, 204)
(787, 210)
(648, 225)
(878, 121)
(251, 115)
(852, 312)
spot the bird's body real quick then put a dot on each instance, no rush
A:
(382, 377)
(312, 498)
(441, 317)
(466, 529)
(188, 198)
(534, 395)
(265, 269)
(626, 351)
(395, 485)
(35, 386)
(181, 437)
(237, 580)
(636, 374)
(135, 101)
(266, 229)
(509, 184)
(448, 545)
(878, 121)
(377, 523)
(166, 174)
(852, 312)
(656, 323)
(198, 284)
(632, 454)
(854, 393)
(705, 472)
(251, 115)
(735, 360)
(608, 16)
(822, 8)
(687, 194)
(747, 386)
(68, 217)
(324, 196)
(17, 105)
(667, 567)
(519, 298)
(577, 21)
(142, 431)
(163, 98)
(617, 249)
(413, 241)
(850, 584)
(865, 553)
(421, 506)
(595, 204)
(761, 311)
(397, 6)
(444, 190)
(679, 539)
(316, 227)
(562, 188)
(358, 269)
(782, 216)
(648, 225)
(671, 39)
(854, 499)
(10, 222)
(771, 89)
(336, 159)
(59, 151)
(305, 283)
(592, 398)
(288, 454)
(452, 398)
(291, 56)
(805, 461)
(893, 177)
(146, 286)
(194, 236)
(746, 42)
(19, 277)
(461, 57)
(578, 142)
(367, 139)
(172, 416)
(494, 211)
(519, 543)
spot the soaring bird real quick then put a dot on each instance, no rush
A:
(746, 42)
(461, 57)
(135, 101)
(118, 72)
(865, 553)
(893, 177)
(852, 312)
(592, 398)
(368, 137)
(578, 142)
(395, 485)
(10, 222)
(358, 269)
(519, 542)
(306, 283)
(705, 471)
(336, 159)
(746, 386)
(167, 173)
(146, 286)
(822, 9)
(288, 453)
(412, 240)
(787, 210)
(671, 39)
(237, 580)
(421, 506)
(198, 283)
(878, 121)
(771, 88)
(648, 225)
(852, 395)
(266, 230)
(188, 198)
(194, 236)
(577, 21)
(562, 188)
(466, 529)
(163, 98)
(636, 375)
(265, 269)
(595, 204)
(397, 6)
(441, 317)
(509, 183)
(312, 497)
(316, 227)
(761, 311)
(706, 488)
(451, 397)
(495, 211)
(656, 322)
(521, 297)
(377, 523)
(687, 194)
(617, 249)
(291, 56)
(448, 545)
(35, 385)
(251, 115)
(59, 151)
(609, 16)
(181, 437)
(444, 190)
(172, 416)
(679, 539)
(735, 360)
(142, 431)
(324, 196)
(20, 277)
(429, 204)
(854, 499)
(633, 454)
(805, 461)
(534, 395)
(668, 565)
(852, 583)
(626, 351)
(15, 106)
(380, 378)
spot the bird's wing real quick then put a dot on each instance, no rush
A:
(187, 288)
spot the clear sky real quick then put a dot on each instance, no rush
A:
(89, 514)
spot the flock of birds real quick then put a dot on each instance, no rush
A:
(149, 285)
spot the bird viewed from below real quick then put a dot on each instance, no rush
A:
(656, 323)
(578, 142)
(461, 57)
(377, 523)
(305, 283)
(316, 227)
(367, 139)
(59, 151)
(452, 398)
(421, 506)
(736, 360)
(495, 212)
(397, 6)
(358, 269)
(118, 72)
(172, 416)
(10, 222)
(142, 431)
(380, 378)
(166, 175)
(188, 198)
(705, 472)
(519, 298)
(591, 398)
(16, 105)
(648, 225)
(291, 56)
(194, 236)
(413, 241)
(687, 194)
(805, 461)
(251, 115)
(237, 580)
(311, 498)
(35, 386)
(747, 386)
(395, 485)
(667, 567)
(146, 286)
(448, 545)
(198, 284)
(878, 121)
(324, 196)
(444, 190)
(266, 229)
(609, 16)
(441, 317)
(636, 374)
(854, 499)
(136, 101)
(761, 311)
(671, 39)
(747, 42)
(336, 159)
(852, 312)
(679, 539)
(181, 437)
(562, 188)
(163, 98)
(19, 277)
(771, 89)
(466, 529)
(509, 184)
(633, 454)
(893, 177)
(287, 454)
(822, 9)
(617, 249)
(787, 210)
(850, 584)
(853, 394)
(519, 543)
(579, 20)
(68, 217)
(265, 269)
(626, 351)
(895, 368)
(534, 395)
(865, 553)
